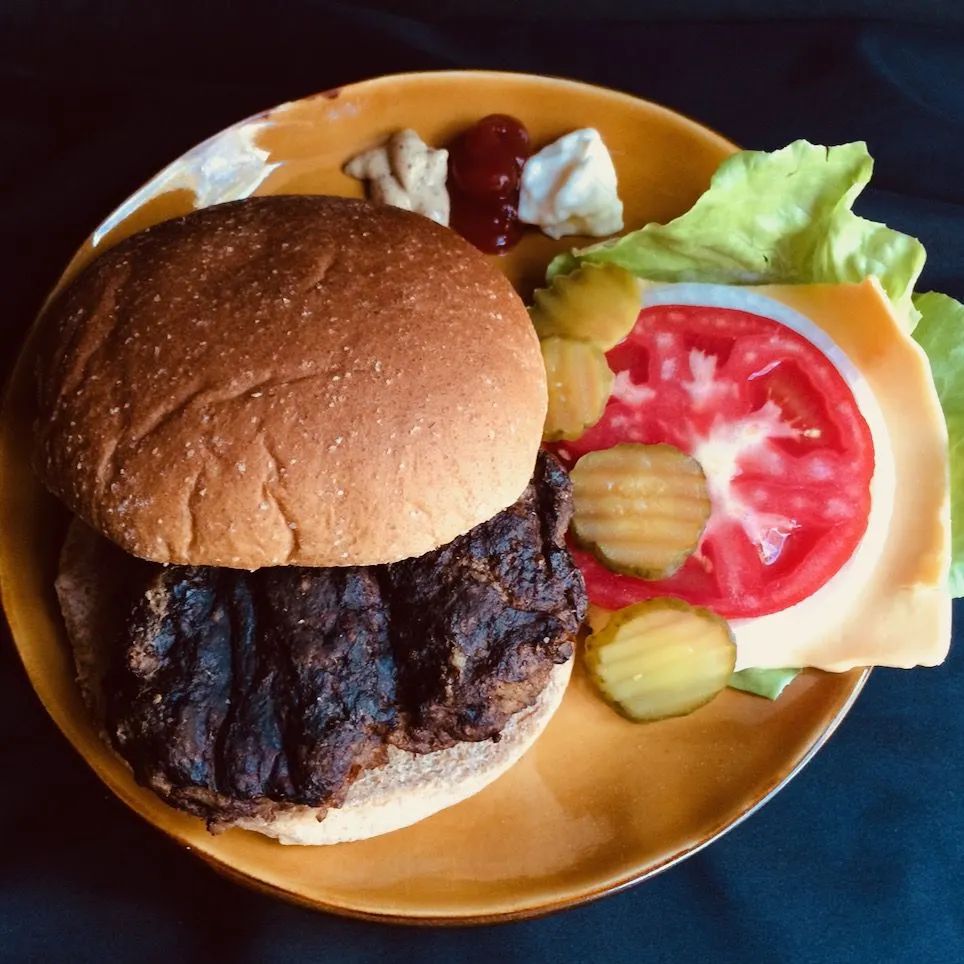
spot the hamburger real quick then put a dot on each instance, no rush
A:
(317, 582)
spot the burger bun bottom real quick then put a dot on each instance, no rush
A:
(408, 788)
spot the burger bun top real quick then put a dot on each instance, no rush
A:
(290, 380)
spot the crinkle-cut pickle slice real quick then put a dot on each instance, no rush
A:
(661, 658)
(579, 382)
(640, 509)
(597, 303)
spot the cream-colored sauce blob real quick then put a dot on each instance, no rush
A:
(406, 173)
(570, 187)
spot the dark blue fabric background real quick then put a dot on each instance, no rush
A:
(861, 858)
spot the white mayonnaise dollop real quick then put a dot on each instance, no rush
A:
(569, 187)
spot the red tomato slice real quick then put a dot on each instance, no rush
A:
(787, 454)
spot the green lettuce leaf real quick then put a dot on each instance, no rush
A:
(940, 333)
(763, 682)
(773, 217)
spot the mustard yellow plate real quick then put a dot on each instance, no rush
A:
(599, 803)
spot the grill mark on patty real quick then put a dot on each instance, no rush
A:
(238, 693)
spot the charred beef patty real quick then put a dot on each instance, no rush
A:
(235, 693)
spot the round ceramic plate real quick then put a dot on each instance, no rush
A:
(599, 803)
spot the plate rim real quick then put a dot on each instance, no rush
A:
(544, 910)
(18, 632)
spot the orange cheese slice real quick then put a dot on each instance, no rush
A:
(893, 609)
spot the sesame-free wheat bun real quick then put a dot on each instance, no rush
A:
(319, 423)
(289, 381)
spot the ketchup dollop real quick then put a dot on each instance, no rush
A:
(485, 171)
